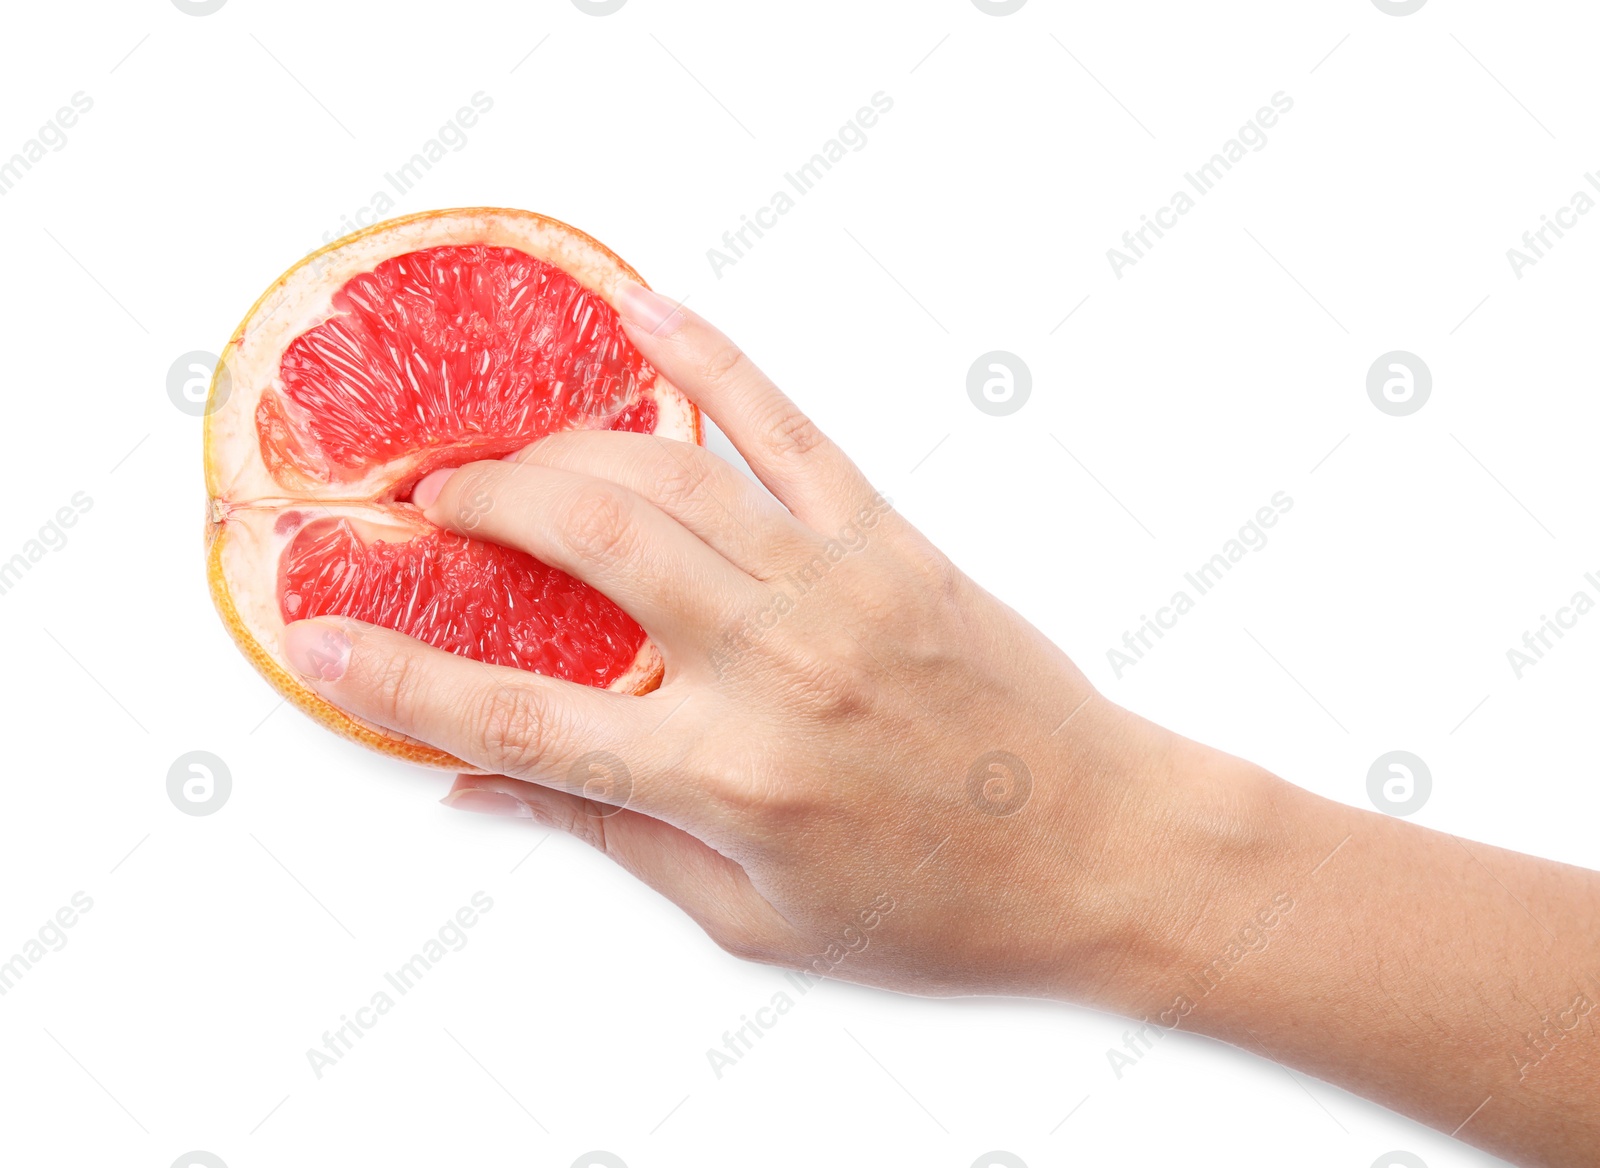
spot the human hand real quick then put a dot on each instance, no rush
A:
(858, 761)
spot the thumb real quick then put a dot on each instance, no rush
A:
(714, 890)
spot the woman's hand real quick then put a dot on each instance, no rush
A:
(858, 762)
(861, 764)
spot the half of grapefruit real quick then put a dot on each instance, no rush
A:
(417, 344)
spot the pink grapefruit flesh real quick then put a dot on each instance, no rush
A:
(422, 343)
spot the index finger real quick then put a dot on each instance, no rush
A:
(797, 461)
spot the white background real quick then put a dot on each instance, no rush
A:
(1222, 368)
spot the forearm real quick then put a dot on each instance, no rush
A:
(1452, 981)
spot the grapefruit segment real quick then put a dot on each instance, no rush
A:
(478, 349)
(480, 600)
(421, 343)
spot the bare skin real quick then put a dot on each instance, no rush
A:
(894, 779)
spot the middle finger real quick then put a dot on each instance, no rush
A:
(656, 570)
(701, 491)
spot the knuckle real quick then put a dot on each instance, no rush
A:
(584, 822)
(936, 575)
(946, 581)
(940, 599)
(596, 524)
(742, 943)
(770, 804)
(396, 684)
(794, 433)
(832, 683)
(514, 728)
(723, 363)
(681, 478)
(474, 487)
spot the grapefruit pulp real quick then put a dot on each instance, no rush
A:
(417, 344)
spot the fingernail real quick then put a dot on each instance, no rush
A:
(317, 650)
(646, 310)
(487, 803)
(426, 492)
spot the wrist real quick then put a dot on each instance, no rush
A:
(1205, 853)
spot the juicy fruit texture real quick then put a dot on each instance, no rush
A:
(475, 349)
(480, 600)
(425, 342)
(463, 352)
